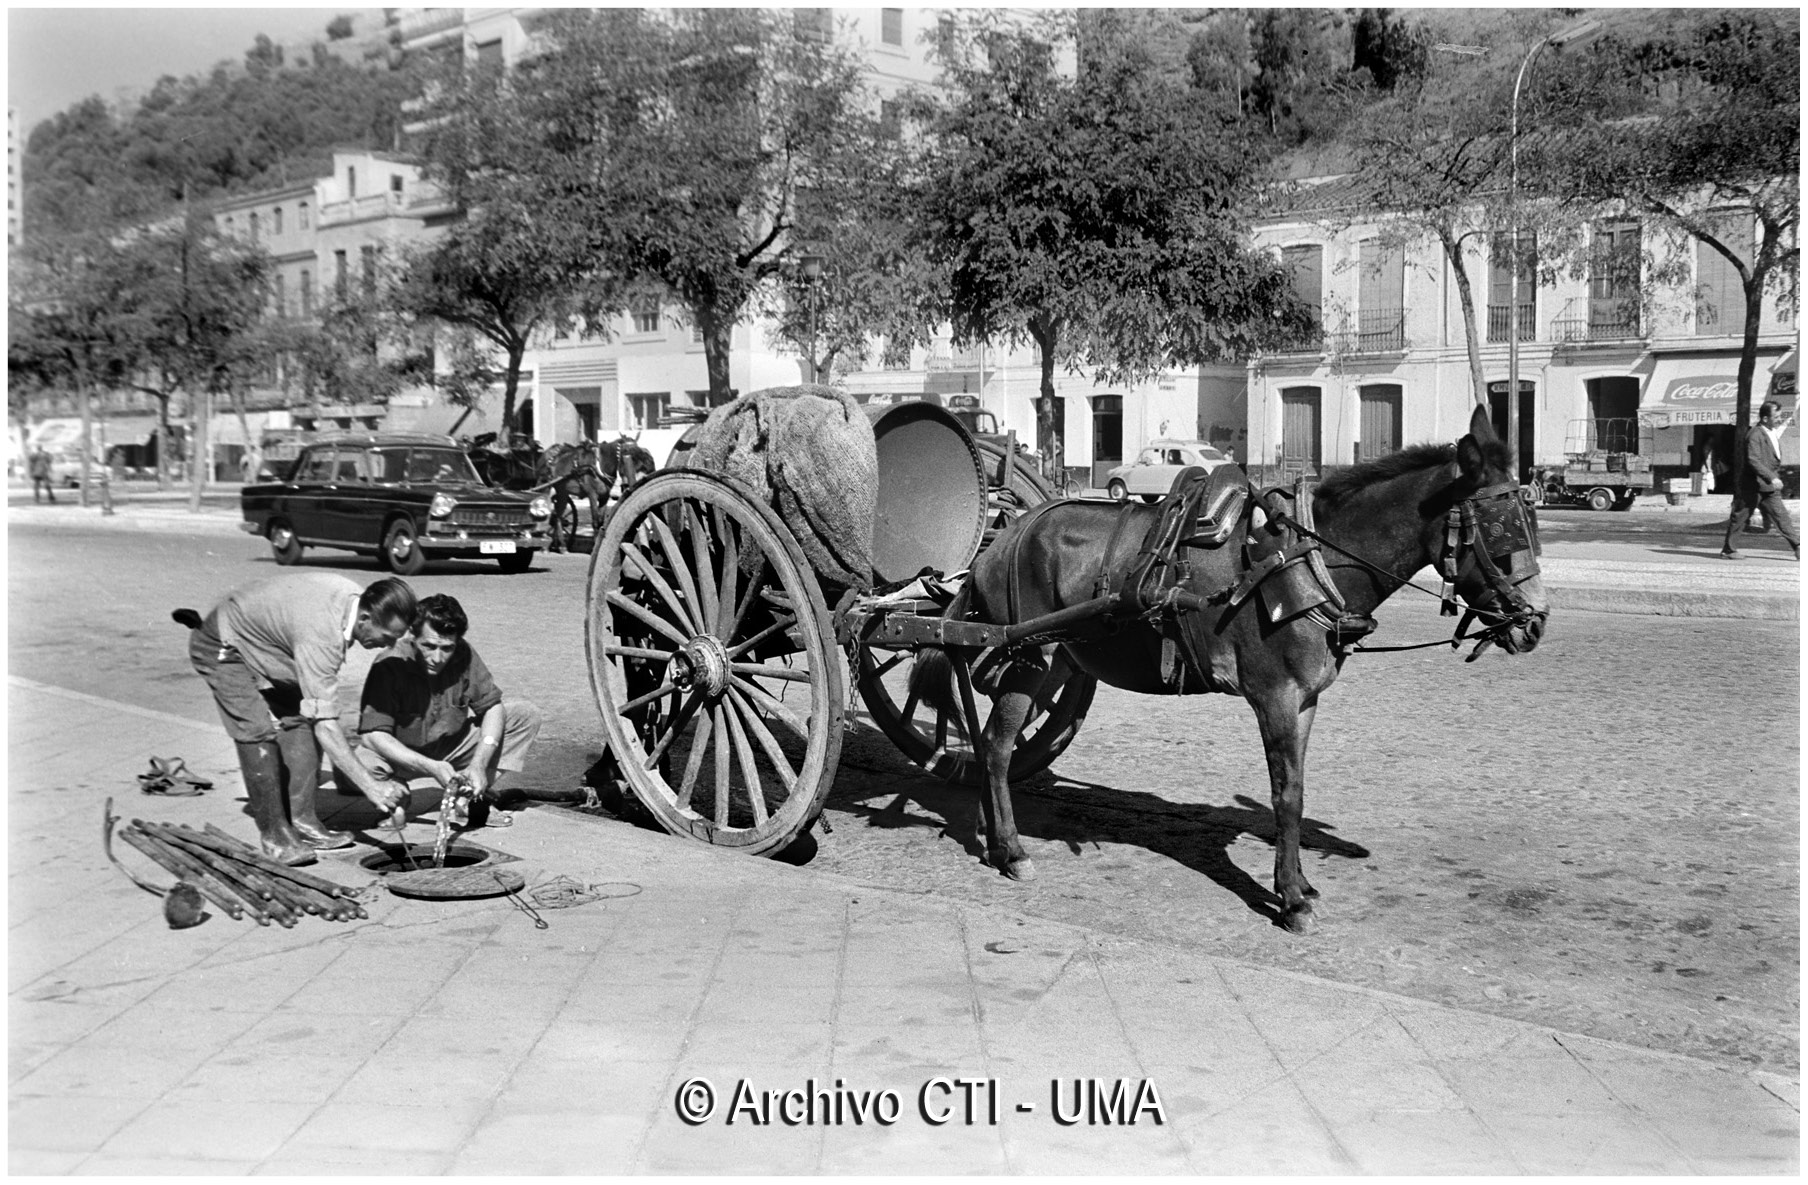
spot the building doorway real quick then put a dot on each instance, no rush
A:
(1380, 421)
(1497, 411)
(1613, 408)
(1300, 432)
(1107, 436)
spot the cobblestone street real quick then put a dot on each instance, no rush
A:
(1600, 836)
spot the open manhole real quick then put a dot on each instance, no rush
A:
(419, 857)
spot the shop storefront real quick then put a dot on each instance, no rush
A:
(1689, 402)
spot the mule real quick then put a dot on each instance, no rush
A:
(588, 469)
(1377, 523)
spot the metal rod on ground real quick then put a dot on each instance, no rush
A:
(199, 874)
(168, 861)
(299, 898)
(233, 872)
(224, 843)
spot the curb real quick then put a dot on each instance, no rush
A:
(1656, 603)
(209, 522)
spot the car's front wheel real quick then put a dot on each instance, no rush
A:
(515, 562)
(283, 543)
(402, 549)
(1117, 490)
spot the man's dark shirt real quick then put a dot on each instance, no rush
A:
(428, 713)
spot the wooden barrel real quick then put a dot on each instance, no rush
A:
(931, 510)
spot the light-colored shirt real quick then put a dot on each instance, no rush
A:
(294, 631)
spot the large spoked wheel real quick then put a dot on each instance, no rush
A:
(936, 737)
(713, 660)
(565, 520)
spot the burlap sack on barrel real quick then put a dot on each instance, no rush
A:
(808, 451)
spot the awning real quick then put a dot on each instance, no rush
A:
(1687, 389)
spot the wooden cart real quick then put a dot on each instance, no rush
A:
(720, 661)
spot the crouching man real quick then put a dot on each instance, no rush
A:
(431, 709)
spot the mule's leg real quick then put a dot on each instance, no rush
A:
(1018, 684)
(1285, 725)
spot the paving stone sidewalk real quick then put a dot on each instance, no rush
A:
(440, 1037)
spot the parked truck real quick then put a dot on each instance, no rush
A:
(1606, 464)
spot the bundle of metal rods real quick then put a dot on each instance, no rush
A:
(239, 879)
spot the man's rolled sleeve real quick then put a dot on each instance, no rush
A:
(377, 712)
(317, 663)
(482, 688)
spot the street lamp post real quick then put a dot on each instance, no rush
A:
(1574, 35)
(810, 266)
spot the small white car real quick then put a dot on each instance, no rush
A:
(1154, 470)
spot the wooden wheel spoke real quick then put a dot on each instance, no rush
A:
(773, 708)
(701, 546)
(664, 689)
(693, 764)
(615, 651)
(686, 615)
(768, 671)
(683, 717)
(721, 766)
(754, 587)
(731, 567)
(650, 620)
(783, 623)
(756, 792)
(675, 557)
(750, 718)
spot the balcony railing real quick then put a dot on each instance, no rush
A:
(1500, 322)
(1310, 341)
(1591, 329)
(1378, 331)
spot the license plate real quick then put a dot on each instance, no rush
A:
(497, 547)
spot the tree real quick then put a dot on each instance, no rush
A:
(688, 138)
(64, 327)
(339, 28)
(1091, 215)
(519, 260)
(191, 308)
(1690, 124)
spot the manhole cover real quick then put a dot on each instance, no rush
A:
(447, 884)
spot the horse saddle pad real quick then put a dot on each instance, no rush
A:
(1201, 510)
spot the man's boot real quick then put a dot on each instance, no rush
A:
(262, 766)
(301, 771)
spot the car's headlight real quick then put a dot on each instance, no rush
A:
(441, 506)
(540, 507)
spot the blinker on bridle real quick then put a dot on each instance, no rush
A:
(1492, 522)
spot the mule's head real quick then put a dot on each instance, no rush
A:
(1489, 538)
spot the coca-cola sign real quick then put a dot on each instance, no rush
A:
(1701, 390)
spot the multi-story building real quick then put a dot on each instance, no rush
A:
(652, 361)
(1609, 359)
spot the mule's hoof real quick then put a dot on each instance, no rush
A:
(1020, 870)
(1299, 920)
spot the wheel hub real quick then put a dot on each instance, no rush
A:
(703, 663)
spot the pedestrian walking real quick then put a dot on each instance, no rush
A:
(39, 468)
(271, 652)
(1761, 484)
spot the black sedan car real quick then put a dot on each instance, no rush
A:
(405, 499)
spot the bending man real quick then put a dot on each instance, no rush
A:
(271, 652)
(431, 709)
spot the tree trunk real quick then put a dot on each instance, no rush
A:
(1453, 251)
(1748, 366)
(511, 382)
(1048, 425)
(85, 394)
(199, 453)
(163, 443)
(254, 447)
(717, 339)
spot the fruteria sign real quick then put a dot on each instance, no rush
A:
(1702, 399)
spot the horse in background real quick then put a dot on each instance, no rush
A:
(587, 469)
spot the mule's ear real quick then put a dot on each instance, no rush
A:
(1481, 425)
(1469, 459)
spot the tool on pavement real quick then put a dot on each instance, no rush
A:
(169, 777)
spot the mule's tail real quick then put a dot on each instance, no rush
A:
(932, 675)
